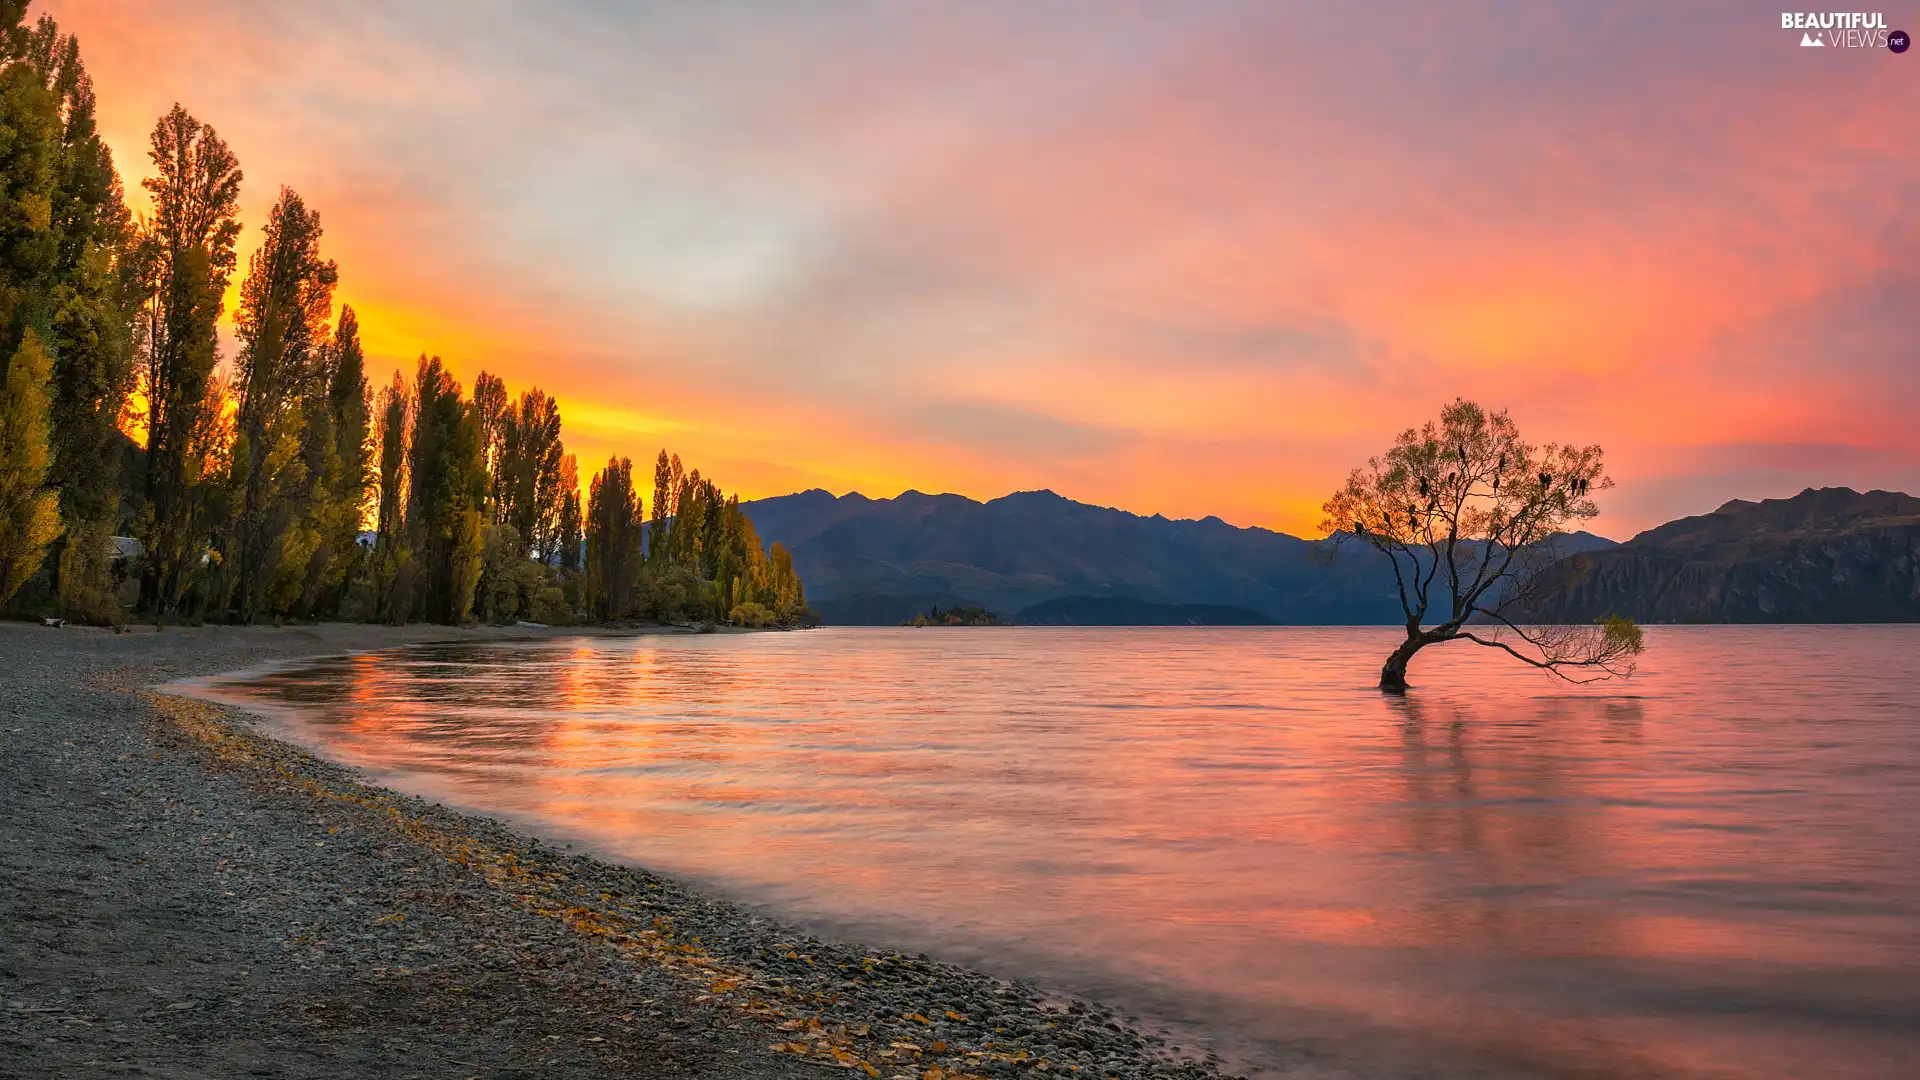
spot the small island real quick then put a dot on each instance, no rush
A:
(954, 616)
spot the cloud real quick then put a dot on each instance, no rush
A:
(1192, 259)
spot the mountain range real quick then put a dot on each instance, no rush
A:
(1824, 555)
(879, 561)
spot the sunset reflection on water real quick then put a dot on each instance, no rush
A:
(1707, 871)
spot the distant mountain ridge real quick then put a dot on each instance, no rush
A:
(878, 561)
(1824, 555)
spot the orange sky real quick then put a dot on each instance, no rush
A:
(1188, 259)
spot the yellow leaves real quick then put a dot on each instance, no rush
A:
(1622, 635)
(585, 921)
(841, 1056)
(918, 1017)
(391, 918)
(37, 211)
(951, 1015)
(28, 508)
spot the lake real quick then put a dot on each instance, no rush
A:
(1710, 870)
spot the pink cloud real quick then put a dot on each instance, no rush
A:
(1181, 260)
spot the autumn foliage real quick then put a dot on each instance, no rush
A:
(140, 467)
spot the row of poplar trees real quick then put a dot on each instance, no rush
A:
(276, 484)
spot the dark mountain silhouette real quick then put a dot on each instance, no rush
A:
(879, 561)
(1126, 611)
(1826, 555)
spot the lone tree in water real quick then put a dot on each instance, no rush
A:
(1468, 515)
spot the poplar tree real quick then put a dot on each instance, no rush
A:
(527, 473)
(664, 483)
(335, 415)
(392, 554)
(446, 494)
(789, 599)
(613, 539)
(29, 159)
(185, 259)
(29, 515)
(88, 326)
(349, 404)
(570, 531)
(491, 406)
(286, 301)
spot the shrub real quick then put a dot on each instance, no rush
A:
(750, 614)
(550, 606)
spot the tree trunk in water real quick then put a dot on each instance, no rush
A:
(1393, 676)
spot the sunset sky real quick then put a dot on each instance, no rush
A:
(1186, 258)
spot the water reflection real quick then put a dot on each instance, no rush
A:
(1706, 872)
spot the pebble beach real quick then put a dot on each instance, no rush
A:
(186, 896)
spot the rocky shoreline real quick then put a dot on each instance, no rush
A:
(196, 899)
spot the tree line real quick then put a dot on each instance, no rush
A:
(277, 484)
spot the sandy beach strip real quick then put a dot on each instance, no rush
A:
(184, 896)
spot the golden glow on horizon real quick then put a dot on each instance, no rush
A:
(1128, 306)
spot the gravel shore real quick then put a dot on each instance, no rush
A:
(183, 896)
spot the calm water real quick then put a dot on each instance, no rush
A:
(1709, 871)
